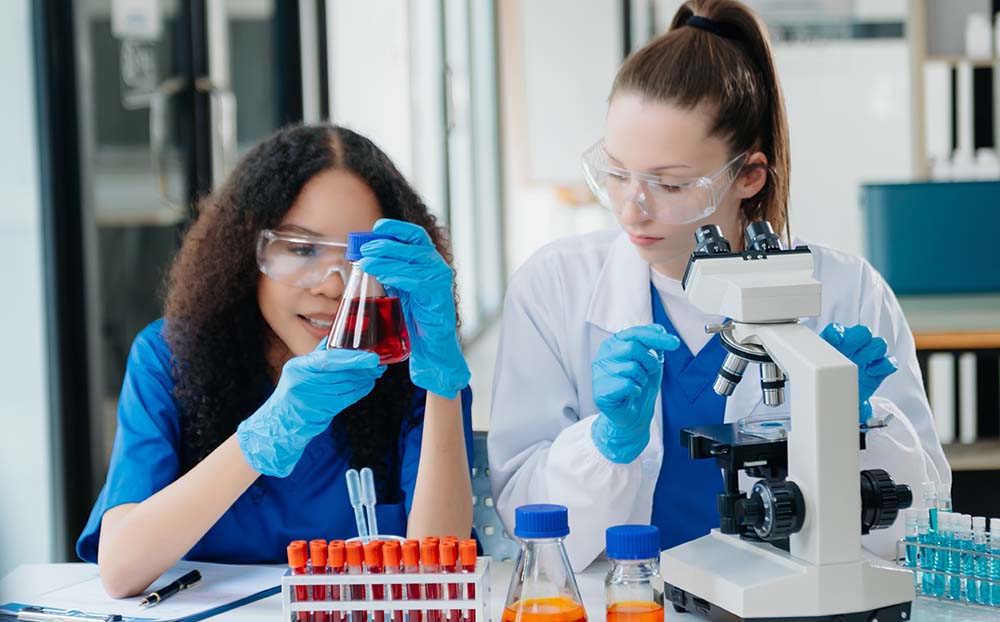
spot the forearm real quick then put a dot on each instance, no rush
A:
(442, 496)
(140, 543)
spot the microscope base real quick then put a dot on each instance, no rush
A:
(725, 578)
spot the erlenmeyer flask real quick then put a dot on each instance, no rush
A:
(543, 588)
(368, 318)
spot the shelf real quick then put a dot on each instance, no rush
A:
(955, 59)
(978, 456)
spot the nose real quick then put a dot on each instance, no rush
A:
(331, 287)
(633, 210)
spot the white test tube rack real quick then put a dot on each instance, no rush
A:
(480, 578)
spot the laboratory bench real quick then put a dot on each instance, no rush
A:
(35, 579)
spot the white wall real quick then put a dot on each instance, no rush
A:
(26, 489)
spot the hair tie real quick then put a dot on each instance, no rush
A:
(727, 31)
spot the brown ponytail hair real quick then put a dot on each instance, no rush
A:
(731, 69)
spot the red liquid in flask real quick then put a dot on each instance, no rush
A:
(382, 329)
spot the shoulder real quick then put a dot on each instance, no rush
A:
(150, 350)
(843, 268)
(571, 260)
(853, 290)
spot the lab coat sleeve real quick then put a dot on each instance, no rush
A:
(908, 448)
(145, 456)
(540, 448)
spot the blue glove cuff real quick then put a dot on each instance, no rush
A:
(621, 446)
(261, 453)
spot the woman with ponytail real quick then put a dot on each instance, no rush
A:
(603, 360)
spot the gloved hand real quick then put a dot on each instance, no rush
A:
(626, 380)
(411, 266)
(311, 391)
(868, 353)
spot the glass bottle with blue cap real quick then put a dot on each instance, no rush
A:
(543, 587)
(633, 589)
(369, 318)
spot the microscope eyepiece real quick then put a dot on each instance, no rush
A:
(709, 239)
(761, 237)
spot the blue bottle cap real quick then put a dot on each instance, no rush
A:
(357, 239)
(633, 542)
(542, 520)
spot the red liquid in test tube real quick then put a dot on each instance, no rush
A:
(467, 555)
(298, 557)
(411, 565)
(391, 557)
(373, 565)
(429, 561)
(335, 556)
(355, 559)
(449, 565)
(317, 559)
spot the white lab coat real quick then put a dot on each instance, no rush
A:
(568, 298)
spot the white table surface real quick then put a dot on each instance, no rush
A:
(30, 580)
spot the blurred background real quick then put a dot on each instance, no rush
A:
(117, 114)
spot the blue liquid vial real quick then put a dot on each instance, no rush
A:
(979, 592)
(994, 543)
(931, 503)
(961, 540)
(942, 558)
(926, 555)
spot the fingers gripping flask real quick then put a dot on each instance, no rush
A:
(633, 589)
(369, 318)
(543, 587)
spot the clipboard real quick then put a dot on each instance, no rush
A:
(223, 587)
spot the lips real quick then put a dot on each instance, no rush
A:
(317, 325)
(642, 240)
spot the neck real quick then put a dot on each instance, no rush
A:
(277, 355)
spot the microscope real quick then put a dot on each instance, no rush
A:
(791, 548)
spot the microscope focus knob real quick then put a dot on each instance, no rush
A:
(777, 509)
(881, 500)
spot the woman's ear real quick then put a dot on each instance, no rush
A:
(753, 176)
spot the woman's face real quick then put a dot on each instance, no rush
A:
(331, 205)
(662, 139)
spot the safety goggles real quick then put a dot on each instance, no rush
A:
(663, 198)
(301, 260)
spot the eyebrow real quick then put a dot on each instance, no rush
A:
(650, 170)
(298, 229)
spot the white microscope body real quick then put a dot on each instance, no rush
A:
(825, 572)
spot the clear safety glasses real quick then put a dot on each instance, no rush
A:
(663, 198)
(301, 260)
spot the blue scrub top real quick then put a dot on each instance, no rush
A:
(310, 503)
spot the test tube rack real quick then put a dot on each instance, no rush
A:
(479, 605)
(987, 592)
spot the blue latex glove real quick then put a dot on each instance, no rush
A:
(868, 353)
(411, 266)
(626, 379)
(312, 390)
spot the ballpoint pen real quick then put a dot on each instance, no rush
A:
(172, 588)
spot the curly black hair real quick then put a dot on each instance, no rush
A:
(217, 335)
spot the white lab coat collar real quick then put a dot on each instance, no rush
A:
(621, 296)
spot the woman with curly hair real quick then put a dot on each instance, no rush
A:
(234, 429)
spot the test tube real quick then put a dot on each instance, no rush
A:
(411, 565)
(317, 557)
(355, 559)
(429, 561)
(298, 557)
(335, 556)
(373, 565)
(449, 565)
(391, 557)
(467, 554)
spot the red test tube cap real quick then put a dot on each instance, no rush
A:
(373, 554)
(411, 553)
(355, 553)
(391, 552)
(449, 553)
(317, 553)
(429, 552)
(297, 554)
(467, 552)
(335, 554)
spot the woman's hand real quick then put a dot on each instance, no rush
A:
(868, 353)
(311, 391)
(409, 264)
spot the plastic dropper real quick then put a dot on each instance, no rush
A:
(368, 500)
(354, 494)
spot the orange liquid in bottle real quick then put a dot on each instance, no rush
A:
(545, 610)
(635, 611)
